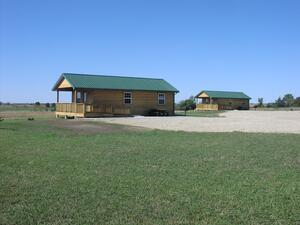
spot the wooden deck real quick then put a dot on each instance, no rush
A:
(88, 110)
(207, 107)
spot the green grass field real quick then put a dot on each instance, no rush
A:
(199, 113)
(24, 107)
(52, 175)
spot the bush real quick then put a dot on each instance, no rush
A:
(53, 107)
(188, 104)
(37, 103)
(47, 105)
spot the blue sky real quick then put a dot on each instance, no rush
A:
(239, 45)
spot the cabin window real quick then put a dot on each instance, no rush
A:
(127, 97)
(78, 97)
(161, 98)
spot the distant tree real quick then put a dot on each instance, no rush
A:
(0, 103)
(260, 102)
(7, 103)
(279, 102)
(288, 100)
(297, 102)
(47, 105)
(53, 107)
(37, 103)
(188, 104)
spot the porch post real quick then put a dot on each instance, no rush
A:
(75, 93)
(57, 96)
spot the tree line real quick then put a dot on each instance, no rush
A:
(47, 105)
(287, 100)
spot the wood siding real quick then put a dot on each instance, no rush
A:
(229, 104)
(142, 101)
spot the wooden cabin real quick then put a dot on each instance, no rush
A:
(99, 95)
(222, 100)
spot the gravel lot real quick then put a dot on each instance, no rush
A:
(244, 121)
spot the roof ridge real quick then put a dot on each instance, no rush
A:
(103, 75)
(225, 91)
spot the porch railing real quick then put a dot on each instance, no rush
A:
(207, 107)
(82, 108)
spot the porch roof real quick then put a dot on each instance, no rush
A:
(86, 81)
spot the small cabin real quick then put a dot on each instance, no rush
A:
(99, 95)
(222, 100)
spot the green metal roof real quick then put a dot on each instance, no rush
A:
(225, 94)
(86, 81)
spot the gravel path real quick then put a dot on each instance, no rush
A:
(244, 121)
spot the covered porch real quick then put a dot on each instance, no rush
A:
(204, 102)
(88, 110)
(81, 107)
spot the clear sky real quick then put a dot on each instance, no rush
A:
(239, 45)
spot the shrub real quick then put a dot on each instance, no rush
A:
(188, 104)
(37, 103)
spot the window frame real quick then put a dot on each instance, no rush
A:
(127, 98)
(78, 96)
(158, 98)
(84, 97)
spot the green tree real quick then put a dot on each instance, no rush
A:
(37, 103)
(288, 100)
(260, 102)
(188, 104)
(279, 102)
(47, 105)
(297, 101)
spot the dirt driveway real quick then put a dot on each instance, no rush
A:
(244, 121)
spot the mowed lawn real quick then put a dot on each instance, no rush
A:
(52, 175)
(199, 113)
